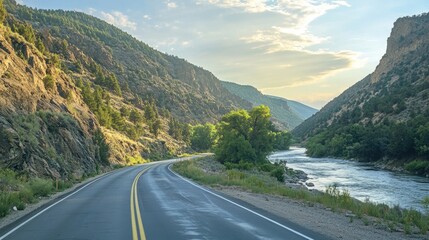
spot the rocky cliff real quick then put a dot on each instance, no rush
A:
(385, 115)
(397, 90)
(43, 130)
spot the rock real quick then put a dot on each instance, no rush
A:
(15, 208)
(309, 184)
(350, 215)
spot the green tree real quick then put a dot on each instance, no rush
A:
(103, 150)
(233, 147)
(118, 121)
(186, 133)
(282, 140)
(125, 112)
(3, 12)
(136, 116)
(260, 136)
(150, 111)
(245, 136)
(203, 137)
(155, 127)
(422, 140)
(88, 98)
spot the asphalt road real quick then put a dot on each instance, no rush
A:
(151, 202)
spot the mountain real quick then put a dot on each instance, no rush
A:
(301, 110)
(43, 130)
(286, 114)
(78, 95)
(190, 93)
(385, 115)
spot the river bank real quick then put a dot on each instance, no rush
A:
(363, 181)
(335, 214)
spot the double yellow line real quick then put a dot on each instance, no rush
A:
(136, 219)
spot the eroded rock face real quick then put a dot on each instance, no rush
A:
(41, 132)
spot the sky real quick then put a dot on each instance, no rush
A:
(304, 50)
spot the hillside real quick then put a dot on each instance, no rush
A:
(44, 130)
(286, 114)
(190, 93)
(385, 115)
(67, 111)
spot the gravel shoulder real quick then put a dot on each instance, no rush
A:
(322, 220)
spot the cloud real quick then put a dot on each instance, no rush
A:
(268, 44)
(116, 18)
(171, 4)
(290, 34)
(287, 40)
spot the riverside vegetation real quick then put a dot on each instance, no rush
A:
(244, 139)
(259, 179)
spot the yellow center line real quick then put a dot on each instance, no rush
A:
(135, 209)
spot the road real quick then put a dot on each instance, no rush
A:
(151, 202)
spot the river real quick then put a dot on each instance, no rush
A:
(361, 180)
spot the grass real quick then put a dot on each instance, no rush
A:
(19, 191)
(257, 182)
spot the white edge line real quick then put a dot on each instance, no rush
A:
(47, 208)
(238, 205)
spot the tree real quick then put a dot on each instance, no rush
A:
(103, 150)
(125, 112)
(282, 140)
(245, 136)
(422, 140)
(203, 137)
(88, 98)
(3, 12)
(155, 127)
(135, 116)
(260, 128)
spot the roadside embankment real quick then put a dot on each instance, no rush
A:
(332, 213)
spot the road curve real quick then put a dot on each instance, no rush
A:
(151, 202)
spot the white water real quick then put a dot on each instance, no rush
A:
(361, 180)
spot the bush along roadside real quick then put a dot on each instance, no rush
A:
(17, 191)
(264, 179)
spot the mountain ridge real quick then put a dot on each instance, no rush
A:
(283, 114)
(384, 116)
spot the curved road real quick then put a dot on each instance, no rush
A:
(151, 202)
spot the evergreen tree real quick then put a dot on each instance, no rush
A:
(88, 98)
(135, 116)
(125, 112)
(155, 127)
(3, 12)
(103, 148)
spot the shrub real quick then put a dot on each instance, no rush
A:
(242, 165)
(266, 167)
(278, 173)
(41, 187)
(49, 82)
(418, 167)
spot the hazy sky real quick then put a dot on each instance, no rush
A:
(305, 50)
